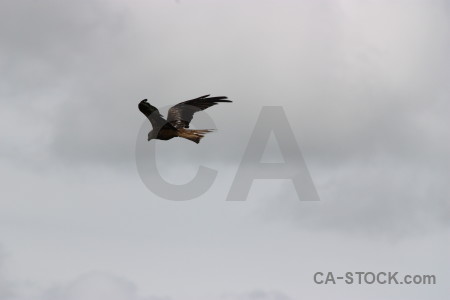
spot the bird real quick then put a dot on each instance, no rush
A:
(178, 118)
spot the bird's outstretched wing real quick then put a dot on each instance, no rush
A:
(152, 113)
(181, 114)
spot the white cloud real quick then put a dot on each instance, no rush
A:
(89, 286)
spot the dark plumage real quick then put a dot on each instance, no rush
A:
(178, 118)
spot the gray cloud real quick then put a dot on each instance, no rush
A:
(368, 95)
(363, 83)
(384, 201)
(97, 285)
(89, 286)
(5, 285)
(357, 92)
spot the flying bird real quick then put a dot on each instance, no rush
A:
(178, 118)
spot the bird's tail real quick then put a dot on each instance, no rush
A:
(194, 135)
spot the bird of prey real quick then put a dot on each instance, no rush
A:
(178, 118)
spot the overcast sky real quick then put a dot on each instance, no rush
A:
(365, 89)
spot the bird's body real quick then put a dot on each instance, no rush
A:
(178, 118)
